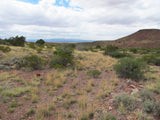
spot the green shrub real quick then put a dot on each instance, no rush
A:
(94, 73)
(31, 111)
(40, 42)
(58, 61)
(109, 49)
(157, 109)
(14, 104)
(5, 49)
(130, 68)
(146, 95)
(98, 46)
(117, 54)
(128, 102)
(110, 117)
(33, 61)
(39, 49)
(63, 56)
(152, 59)
(93, 49)
(134, 50)
(31, 45)
(148, 106)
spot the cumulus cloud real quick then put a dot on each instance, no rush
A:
(81, 19)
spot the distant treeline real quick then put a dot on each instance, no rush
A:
(18, 41)
(15, 41)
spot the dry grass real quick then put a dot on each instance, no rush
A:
(92, 60)
(90, 84)
(43, 112)
(87, 113)
(58, 79)
(154, 86)
(5, 75)
(83, 101)
(13, 92)
(34, 94)
(105, 90)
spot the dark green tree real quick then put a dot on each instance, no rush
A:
(40, 42)
(16, 41)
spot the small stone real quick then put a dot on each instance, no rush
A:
(111, 101)
(139, 100)
(129, 82)
(110, 108)
(141, 86)
(134, 91)
(132, 86)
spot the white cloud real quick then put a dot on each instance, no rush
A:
(85, 19)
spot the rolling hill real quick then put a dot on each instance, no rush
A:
(142, 38)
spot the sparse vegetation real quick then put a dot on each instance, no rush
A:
(85, 86)
(118, 54)
(134, 50)
(31, 111)
(130, 68)
(5, 49)
(109, 49)
(63, 56)
(127, 101)
(15, 92)
(148, 106)
(94, 73)
(146, 95)
(152, 59)
(33, 61)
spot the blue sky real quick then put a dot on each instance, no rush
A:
(77, 19)
(64, 3)
(30, 1)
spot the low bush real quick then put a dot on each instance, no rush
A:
(5, 49)
(39, 49)
(31, 111)
(40, 42)
(157, 109)
(134, 50)
(94, 73)
(128, 102)
(146, 95)
(109, 49)
(33, 61)
(118, 54)
(151, 107)
(130, 68)
(63, 56)
(98, 46)
(110, 117)
(148, 106)
(152, 59)
(31, 45)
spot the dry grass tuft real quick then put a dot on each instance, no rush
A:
(94, 60)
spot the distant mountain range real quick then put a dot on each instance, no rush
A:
(61, 40)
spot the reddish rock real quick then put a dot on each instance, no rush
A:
(38, 74)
